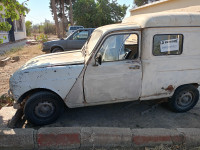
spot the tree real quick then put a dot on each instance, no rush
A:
(71, 12)
(63, 18)
(143, 2)
(64, 13)
(53, 4)
(28, 28)
(85, 13)
(12, 9)
(91, 13)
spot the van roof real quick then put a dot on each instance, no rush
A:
(164, 19)
(118, 26)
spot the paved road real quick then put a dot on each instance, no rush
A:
(10, 46)
(129, 114)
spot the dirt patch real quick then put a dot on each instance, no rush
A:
(25, 53)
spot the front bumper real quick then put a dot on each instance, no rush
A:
(15, 105)
(46, 50)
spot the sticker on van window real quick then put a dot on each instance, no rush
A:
(169, 45)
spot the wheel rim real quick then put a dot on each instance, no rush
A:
(185, 99)
(44, 109)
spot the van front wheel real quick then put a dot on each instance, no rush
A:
(184, 98)
(42, 108)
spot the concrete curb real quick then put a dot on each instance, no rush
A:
(96, 137)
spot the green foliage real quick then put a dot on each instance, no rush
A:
(49, 28)
(5, 26)
(85, 13)
(91, 13)
(28, 27)
(143, 2)
(42, 38)
(12, 9)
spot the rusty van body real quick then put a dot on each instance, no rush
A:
(146, 57)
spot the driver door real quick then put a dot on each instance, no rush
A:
(119, 76)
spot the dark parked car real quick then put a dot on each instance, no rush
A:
(73, 42)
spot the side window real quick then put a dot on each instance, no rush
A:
(82, 35)
(119, 47)
(167, 44)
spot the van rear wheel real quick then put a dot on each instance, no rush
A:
(43, 108)
(184, 98)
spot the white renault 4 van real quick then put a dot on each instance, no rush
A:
(146, 57)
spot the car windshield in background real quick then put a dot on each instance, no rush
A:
(75, 28)
(93, 40)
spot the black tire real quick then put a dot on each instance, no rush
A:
(57, 49)
(43, 108)
(184, 98)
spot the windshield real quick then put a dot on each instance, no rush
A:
(75, 27)
(93, 40)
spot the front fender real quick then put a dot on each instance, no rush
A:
(58, 79)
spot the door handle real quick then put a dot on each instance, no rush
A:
(134, 67)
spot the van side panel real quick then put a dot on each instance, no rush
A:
(163, 74)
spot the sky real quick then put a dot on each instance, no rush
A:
(39, 10)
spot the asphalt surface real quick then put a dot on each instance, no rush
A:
(8, 47)
(127, 115)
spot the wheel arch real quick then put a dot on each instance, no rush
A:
(32, 91)
(194, 84)
(56, 46)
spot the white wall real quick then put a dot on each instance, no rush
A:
(21, 35)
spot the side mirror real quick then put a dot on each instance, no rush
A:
(98, 59)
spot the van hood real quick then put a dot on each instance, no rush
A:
(55, 59)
